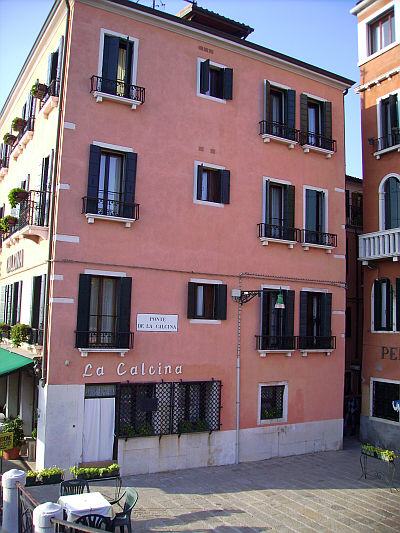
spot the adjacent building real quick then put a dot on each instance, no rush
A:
(181, 246)
(379, 89)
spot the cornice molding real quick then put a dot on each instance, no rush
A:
(377, 81)
(361, 6)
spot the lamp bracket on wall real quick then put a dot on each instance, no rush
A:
(242, 297)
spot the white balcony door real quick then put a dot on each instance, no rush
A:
(98, 429)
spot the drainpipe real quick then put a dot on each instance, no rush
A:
(52, 198)
(238, 353)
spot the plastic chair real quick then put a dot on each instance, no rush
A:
(73, 486)
(124, 518)
(95, 520)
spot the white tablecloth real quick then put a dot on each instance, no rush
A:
(77, 505)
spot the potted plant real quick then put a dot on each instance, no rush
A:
(13, 425)
(39, 90)
(18, 124)
(9, 139)
(4, 330)
(7, 222)
(113, 470)
(17, 195)
(20, 333)
(51, 475)
(32, 478)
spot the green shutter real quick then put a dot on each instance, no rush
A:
(303, 313)
(377, 305)
(225, 186)
(291, 110)
(288, 325)
(130, 184)
(82, 321)
(327, 120)
(204, 76)
(227, 87)
(289, 206)
(191, 307)
(124, 312)
(326, 314)
(93, 179)
(303, 112)
(220, 302)
(110, 64)
(267, 100)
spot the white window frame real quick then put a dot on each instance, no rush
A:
(371, 400)
(205, 282)
(326, 229)
(212, 167)
(394, 326)
(200, 94)
(104, 32)
(381, 196)
(262, 422)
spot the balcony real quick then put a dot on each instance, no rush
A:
(275, 344)
(50, 99)
(32, 219)
(313, 142)
(4, 162)
(275, 131)
(277, 233)
(384, 244)
(318, 239)
(316, 344)
(23, 138)
(118, 91)
(354, 216)
(385, 144)
(106, 208)
(104, 341)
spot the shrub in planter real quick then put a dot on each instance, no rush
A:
(17, 195)
(51, 475)
(379, 453)
(18, 124)
(32, 478)
(145, 430)
(4, 330)
(9, 139)
(39, 90)
(20, 333)
(13, 425)
(94, 473)
(7, 222)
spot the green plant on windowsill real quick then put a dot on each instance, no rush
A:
(16, 196)
(270, 414)
(19, 334)
(7, 222)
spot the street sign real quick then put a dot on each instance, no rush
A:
(6, 440)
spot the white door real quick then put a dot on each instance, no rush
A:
(98, 429)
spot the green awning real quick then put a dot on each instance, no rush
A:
(10, 362)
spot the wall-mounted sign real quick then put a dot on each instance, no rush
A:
(141, 369)
(15, 261)
(392, 353)
(6, 440)
(151, 322)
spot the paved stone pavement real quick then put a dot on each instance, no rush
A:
(315, 492)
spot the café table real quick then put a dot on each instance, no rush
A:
(76, 505)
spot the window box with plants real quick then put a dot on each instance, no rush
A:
(9, 139)
(18, 124)
(19, 333)
(50, 476)
(39, 90)
(32, 479)
(378, 453)
(4, 331)
(80, 472)
(7, 222)
(14, 426)
(16, 196)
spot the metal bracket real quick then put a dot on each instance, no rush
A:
(246, 296)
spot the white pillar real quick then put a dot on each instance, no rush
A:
(10, 498)
(12, 394)
(26, 402)
(43, 514)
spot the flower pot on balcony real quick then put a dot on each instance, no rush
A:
(39, 90)
(9, 139)
(12, 221)
(18, 124)
(11, 455)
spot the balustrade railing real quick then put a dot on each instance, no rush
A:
(319, 238)
(380, 244)
(52, 90)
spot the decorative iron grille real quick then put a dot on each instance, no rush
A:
(117, 88)
(320, 238)
(276, 231)
(26, 505)
(275, 342)
(148, 409)
(110, 206)
(271, 404)
(384, 394)
(269, 127)
(316, 343)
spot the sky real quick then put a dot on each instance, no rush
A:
(320, 32)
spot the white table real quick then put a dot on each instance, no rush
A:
(77, 505)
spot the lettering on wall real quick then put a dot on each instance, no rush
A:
(158, 369)
(152, 322)
(15, 261)
(392, 353)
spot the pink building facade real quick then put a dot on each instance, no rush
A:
(195, 246)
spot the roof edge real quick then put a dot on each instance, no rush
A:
(361, 6)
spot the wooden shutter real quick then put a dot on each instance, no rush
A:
(291, 109)
(124, 312)
(225, 186)
(199, 184)
(311, 209)
(128, 69)
(397, 304)
(37, 282)
(321, 211)
(93, 179)
(191, 308)
(288, 325)
(394, 117)
(267, 100)
(227, 88)
(392, 199)
(82, 321)
(303, 112)
(377, 305)
(389, 306)
(110, 64)
(327, 120)
(3, 304)
(326, 314)
(288, 206)
(205, 76)
(266, 203)
(303, 313)
(265, 309)
(60, 60)
(130, 184)
(220, 302)
(49, 68)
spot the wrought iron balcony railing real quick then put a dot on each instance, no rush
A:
(318, 141)
(110, 207)
(52, 90)
(104, 339)
(32, 212)
(354, 216)
(387, 141)
(29, 126)
(316, 343)
(4, 162)
(118, 88)
(36, 337)
(269, 127)
(319, 238)
(276, 231)
(275, 342)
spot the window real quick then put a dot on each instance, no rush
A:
(354, 208)
(392, 203)
(111, 183)
(315, 321)
(54, 71)
(279, 202)
(315, 218)
(4, 155)
(118, 65)
(383, 305)
(273, 403)
(280, 106)
(104, 311)
(38, 303)
(388, 117)
(277, 324)
(215, 80)
(381, 32)
(383, 394)
(10, 303)
(316, 123)
(206, 301)
(146, 409)
(212, 184)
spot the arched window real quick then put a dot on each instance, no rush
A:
(392, 202)
(383, 305)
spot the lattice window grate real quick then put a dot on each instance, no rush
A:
(271, 405)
